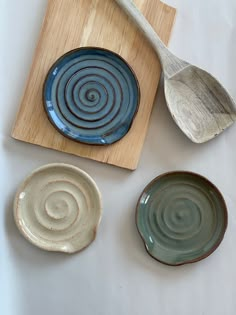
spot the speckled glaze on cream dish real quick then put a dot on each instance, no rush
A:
(181, 217)
(58, 208)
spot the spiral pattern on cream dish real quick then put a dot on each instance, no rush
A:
(58, 208)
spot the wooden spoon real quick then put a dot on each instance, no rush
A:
(199, 104)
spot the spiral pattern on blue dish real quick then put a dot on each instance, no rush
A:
(91, 95)
(181, 217)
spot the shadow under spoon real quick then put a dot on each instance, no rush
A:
(198, 103)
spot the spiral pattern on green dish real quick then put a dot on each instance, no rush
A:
(181, 217)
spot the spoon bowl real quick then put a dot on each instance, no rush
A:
(198, 103)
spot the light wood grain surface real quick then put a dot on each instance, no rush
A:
(70, 24)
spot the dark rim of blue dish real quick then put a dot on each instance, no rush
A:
(224, 209)
(102, 50)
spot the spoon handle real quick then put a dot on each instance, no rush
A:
(170, 63)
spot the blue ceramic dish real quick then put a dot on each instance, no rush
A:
(91, 96)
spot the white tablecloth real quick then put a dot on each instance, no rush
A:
(115, 276)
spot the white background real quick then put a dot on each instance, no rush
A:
(115, 276)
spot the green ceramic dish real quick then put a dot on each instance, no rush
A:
(181, 217)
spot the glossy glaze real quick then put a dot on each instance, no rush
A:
(58, 208)
(91, 95)
(182, 218)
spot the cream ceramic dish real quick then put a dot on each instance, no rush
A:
(58, 208)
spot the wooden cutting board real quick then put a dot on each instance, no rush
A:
(70, 24)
